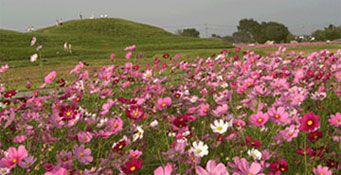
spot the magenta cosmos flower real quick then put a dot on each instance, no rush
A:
(212, 169)
(50, 77)
(14, 156)
(259, 119)
(132, 166)
(309, 122)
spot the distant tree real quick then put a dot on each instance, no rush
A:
(275, 31)
(251, 28)
(191, 32)
(329, 33)
(215, 36)
(241, 37)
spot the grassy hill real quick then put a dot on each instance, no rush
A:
(97, 38)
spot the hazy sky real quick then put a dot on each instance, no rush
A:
(221, 16)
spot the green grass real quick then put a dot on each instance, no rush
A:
(96, 38)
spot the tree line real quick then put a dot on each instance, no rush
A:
(251, 31)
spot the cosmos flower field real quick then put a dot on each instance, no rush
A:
(239, 115)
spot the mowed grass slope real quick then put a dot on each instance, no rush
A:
(97, 38)
(92, 40)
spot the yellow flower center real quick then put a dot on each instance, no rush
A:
(148, 75)
(249, 84)
(219, 128)
(276, 116)
(134, 155)
(120, 147)
(28, 163)
(80, 172)
(14, 161)
(278, 85)
(51, 77)
(135, 114)
(282, 169)
(260, 120)
(68, 113)
(242, 90)
(254, 155)
(115, 125)
(85, 139)
(238, 124)
(198, 150)
(310, 122)
(4, 171)
(321, 173)
(163, 105)
(291, 134)
(132, 168)
(81, 154)
(139, 133)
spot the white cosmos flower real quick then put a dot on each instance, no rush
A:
(219, 127)
(199, 149)
(224, 85)
(257, 155)
(194, 98)
(4, 171)
(148, 74)
(154, 123)
(34, 57)
(138, 134)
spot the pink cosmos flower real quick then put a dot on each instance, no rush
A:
(309, 122)
(221, 110)
(338, 75)
(162, 103)
(322, 170)
(130, 48)
(280, 84)
(203, 108)
(212, 169)
(19, 139)
(14, 156)
(50, 77)
(278, 116)
(335, 120)
(27, 162)
(134, 154)
(242, 167)
(112, 56)
(60, 171)
(167, 170)
(77, 68)
(259, 119)
(83, 155)
(33, 41)
(84, 137)
(241, 89)
(128, 55)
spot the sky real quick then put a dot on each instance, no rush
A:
(208, 16)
